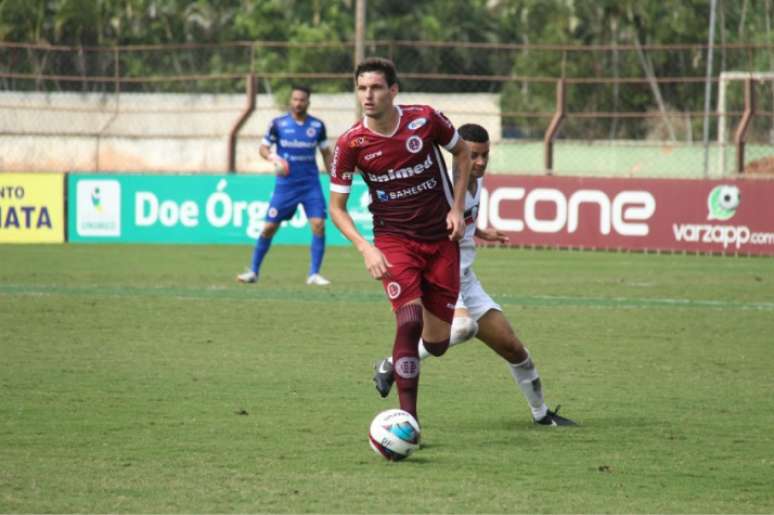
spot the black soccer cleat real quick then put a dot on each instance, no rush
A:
(552, 418)
(383, 377)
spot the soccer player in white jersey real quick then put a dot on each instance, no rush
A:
(476, 314)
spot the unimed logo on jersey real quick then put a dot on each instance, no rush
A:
(98, 208)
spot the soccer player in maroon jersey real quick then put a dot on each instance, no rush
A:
(476, 313)
(417, 213)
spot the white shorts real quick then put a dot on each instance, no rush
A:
(473, 297)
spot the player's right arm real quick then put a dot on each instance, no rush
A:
(375, 262)
(281, 166)
(342, 169)
(269, 139)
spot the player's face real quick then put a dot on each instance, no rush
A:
(374, 95)
(299, 102)
(479, 157)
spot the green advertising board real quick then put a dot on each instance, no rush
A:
(110, 208)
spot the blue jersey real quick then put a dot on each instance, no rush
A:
(297, 143)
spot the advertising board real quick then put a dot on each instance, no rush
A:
(32, 208)
(705, 216)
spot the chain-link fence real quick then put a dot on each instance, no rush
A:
(616, 110)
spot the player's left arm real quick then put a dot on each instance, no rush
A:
(455, 220)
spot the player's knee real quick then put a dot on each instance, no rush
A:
(436, 348)
(517, 353)
(463, 329)
(269, 230)
(318, 227)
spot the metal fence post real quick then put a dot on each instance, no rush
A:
(250, 91)
(553, 128)
(740, 136)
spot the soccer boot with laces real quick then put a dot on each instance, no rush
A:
(248, 276)
(383, 377)
(552, 418)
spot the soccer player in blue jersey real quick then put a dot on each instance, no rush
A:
(295, 137)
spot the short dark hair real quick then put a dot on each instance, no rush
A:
(473, 132)
(379, 65)
(301, 87)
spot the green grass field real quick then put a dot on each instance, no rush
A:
(143, 379)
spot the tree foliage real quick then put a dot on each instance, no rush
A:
(230, 37)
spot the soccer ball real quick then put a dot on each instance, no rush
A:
(394, 434)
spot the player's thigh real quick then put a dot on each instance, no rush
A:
(282, 206)
(473, 296)
(403, 284)
(441, 280)
(434, 329)
(313, 203)
(498, 334)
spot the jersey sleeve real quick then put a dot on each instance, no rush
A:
(444, 132)
(270, 137)
(322, 137)
(343, 166)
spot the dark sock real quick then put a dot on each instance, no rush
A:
(405, 355)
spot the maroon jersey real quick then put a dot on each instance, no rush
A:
(411, 191)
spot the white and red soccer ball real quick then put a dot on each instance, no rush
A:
(394, 434)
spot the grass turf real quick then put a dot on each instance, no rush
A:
(143, 379)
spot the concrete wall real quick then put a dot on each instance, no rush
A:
(60, 132)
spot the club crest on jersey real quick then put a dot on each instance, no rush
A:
(357, 142)
(416, 124)
(393, 290)
(311, 132)
(414, 144)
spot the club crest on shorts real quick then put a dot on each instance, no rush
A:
(407, 367)
(272, 212)
(414, 144)
(393, 290)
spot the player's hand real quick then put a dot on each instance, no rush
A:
(280, 165)
(491, 234)
(455, 224)
(375, 262)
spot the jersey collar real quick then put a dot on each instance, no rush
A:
(400, 116)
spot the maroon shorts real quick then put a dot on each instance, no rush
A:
(427, 270)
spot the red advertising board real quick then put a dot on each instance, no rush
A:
(734, 216)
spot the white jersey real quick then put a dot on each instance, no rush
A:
(468, 242)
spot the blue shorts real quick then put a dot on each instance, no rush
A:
(286, 198)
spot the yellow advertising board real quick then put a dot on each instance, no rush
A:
(32, 208)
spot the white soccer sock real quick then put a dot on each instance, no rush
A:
(526, 376)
